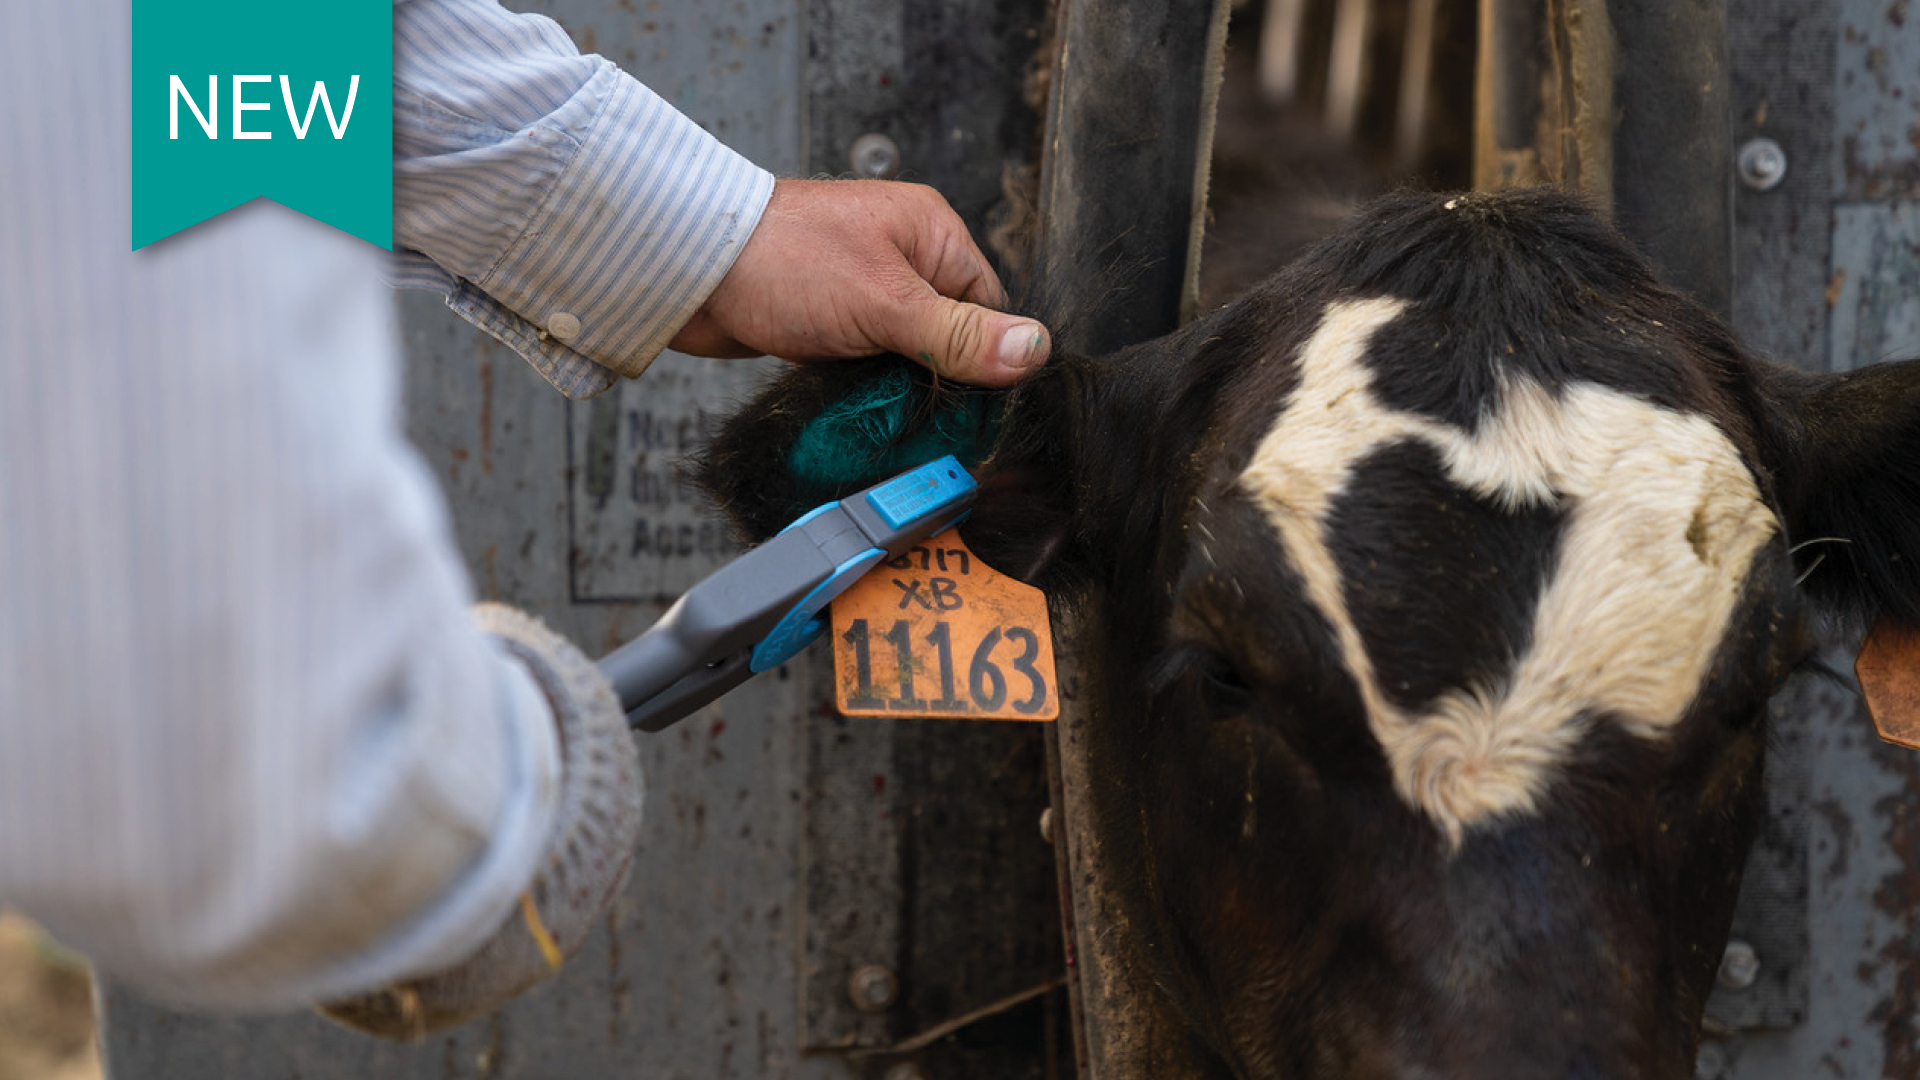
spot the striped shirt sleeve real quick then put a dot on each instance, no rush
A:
(560, 205)
(252, 750)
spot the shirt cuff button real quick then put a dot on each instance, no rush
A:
(564, 325)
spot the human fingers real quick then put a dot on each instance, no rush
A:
(939, 248)
(966, 342)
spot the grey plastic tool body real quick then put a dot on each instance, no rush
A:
(702, 647)
(724, 615)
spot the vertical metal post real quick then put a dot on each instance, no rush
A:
(1627, 101)
(1672, 143)
(1123, 191)
(1129, 129)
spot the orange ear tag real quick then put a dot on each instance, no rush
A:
(938, 633)
(1889, 670)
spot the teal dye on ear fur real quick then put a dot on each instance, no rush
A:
(889, 423)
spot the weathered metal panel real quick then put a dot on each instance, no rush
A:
(640, 533)
(1771, 917)
(1827, 268)
(1877, 101)
(1782, 54)
(1876, 271)
(1861, 1018)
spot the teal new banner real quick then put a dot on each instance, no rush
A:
(236, 99)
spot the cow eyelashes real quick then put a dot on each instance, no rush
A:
(1216, 679)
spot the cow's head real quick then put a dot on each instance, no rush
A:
(1433, 594)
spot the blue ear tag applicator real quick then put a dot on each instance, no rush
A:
(761, 609)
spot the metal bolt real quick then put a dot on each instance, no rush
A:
(1739, 966)
(872, 988)
(1711, 1062)
(905, 1070)
(1046, 824)
(875, 157)
(1762, 164)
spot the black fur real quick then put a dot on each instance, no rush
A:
(1846, 449)
(1308, 921)
(1441, 585)
(745, 469)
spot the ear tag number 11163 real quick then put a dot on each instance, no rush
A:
(938, 633)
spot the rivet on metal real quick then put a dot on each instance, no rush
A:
(1710, 1063)
(1762, 164)
(1046, 824)
(875, 157)
(1739, 966)
(872, 988)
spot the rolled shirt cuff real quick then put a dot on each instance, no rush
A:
(642, 223)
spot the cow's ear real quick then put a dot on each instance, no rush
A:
(1845, 453)
(823, 431)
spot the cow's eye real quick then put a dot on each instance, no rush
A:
(1195, 670)
(1221, 684)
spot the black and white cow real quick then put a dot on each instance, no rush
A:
(1434, 592)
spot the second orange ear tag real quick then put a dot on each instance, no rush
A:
(938, 633)
(1889, 670)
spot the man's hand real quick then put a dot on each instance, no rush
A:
(857, 267)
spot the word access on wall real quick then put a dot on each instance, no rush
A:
(235, 100)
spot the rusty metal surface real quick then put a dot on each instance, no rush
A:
(1864, 844)
(1782, 53)
(1771, 916)
(1877, 101)
(1827, 264)
(1781, 57)
(639, 532)
(1876, 282)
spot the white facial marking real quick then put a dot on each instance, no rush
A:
(1664, 520)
